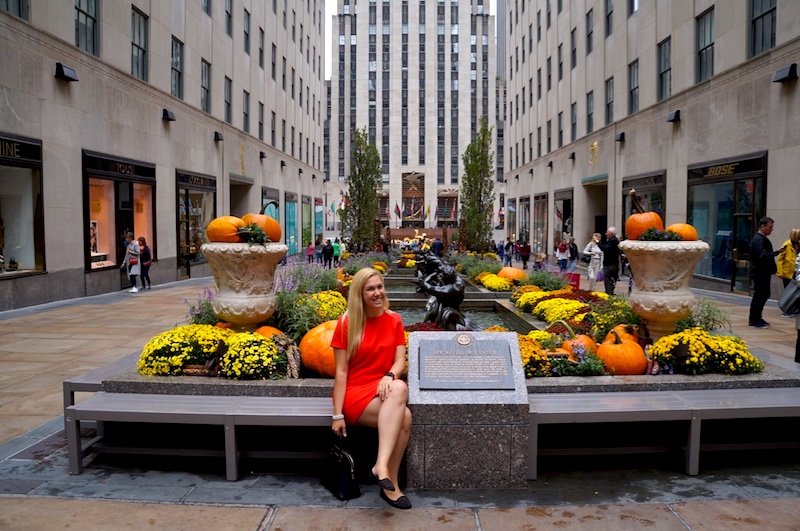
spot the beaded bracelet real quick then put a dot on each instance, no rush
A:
(337, 417)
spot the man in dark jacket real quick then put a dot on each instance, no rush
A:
(762, 267)
(327, 254)
(609, 244)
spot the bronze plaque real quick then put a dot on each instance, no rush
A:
(465, 363)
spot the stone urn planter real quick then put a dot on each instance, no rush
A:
(245, 276)
(661, 272)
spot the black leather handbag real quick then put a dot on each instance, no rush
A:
(339, 472)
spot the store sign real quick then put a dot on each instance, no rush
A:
(197, 181)
(100, 164)
(728, 168)
(18, 150)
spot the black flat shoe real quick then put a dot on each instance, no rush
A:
(400, 503)
(384, 483)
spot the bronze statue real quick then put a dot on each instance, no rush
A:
(446, 289)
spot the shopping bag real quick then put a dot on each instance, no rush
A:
(790, 298)
(339, 472)
(600, 276)
(574, 280)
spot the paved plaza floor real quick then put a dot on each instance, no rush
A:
(41, 346)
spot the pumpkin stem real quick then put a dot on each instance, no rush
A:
(617, 340)
(568, 327)
(635, 202)
(268, 203)
(553, 347)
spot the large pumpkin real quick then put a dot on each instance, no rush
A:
(267, 223)
(268, 331)
(622, 357)
(686, 231)
(640, 221)
(225, 229)
(511, 273)
(316, 352)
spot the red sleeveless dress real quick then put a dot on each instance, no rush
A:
(370, 362)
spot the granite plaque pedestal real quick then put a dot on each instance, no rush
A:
(468, 436)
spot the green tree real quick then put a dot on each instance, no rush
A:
(360, 199)
(477, 189)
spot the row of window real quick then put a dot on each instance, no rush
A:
(705, 69)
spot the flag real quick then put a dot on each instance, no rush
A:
(397, 211)
(333, 207)
(436, 213)
(388, 213)
(427, 212)
(454, 211)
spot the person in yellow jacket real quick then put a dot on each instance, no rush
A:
(786, 261)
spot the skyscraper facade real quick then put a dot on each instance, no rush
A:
(417, 76)
(691, 104)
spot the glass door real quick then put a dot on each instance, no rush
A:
(746, 204)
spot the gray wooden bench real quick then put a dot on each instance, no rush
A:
(92, 381)
(654, 406)
(225, 411)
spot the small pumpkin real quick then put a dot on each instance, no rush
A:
(511, 273)
(626, 332)
(316, 352)
(640, 220)
(225, 229)
(267, 223)
(268, 331)
(588, 344)
(621, 357)
(556, 352)
(222, 324)
(687, 232)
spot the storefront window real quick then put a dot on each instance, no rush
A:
(562, 216)
(306, 220)
(539, 236)
(650, 191)
(21, 221)
(120, 195)
(711, 213)
(319, 215)
(290, 234)
(197, 199)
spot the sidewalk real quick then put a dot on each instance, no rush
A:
(42, 346)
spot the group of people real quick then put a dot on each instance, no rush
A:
(763, 265)
(327, 253)
(137, 262)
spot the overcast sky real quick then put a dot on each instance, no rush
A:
(330, 10)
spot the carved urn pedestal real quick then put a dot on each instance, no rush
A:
(661, 275)
(245, 276)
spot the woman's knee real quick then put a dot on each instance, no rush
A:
(400, 390)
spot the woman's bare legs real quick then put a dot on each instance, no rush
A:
(393, 420)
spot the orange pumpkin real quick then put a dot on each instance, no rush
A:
(225, 229)
(267, 223)
(622, 357)
(588, 344)
(626, 332)
(686, 231)
(316, 352)
(268, 331)
(222, 324)
(640, 221)
(511, 273)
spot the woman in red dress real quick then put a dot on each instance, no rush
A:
(369, 348)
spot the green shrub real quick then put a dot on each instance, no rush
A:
(706, 315)
(545, 280)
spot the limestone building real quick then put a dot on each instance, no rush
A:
(151, 118)
(692, 104)
(417, 76)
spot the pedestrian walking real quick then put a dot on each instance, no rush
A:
(146, 256)
(609, 244)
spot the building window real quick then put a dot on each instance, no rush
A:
(18, 8)
(86, 26)
(283, 136)
(573, 111)
(609, 100)
(589, 31)
(560, 129)
(246, 31)
(633, 7)
(539, 84)
(197, 199)
(549, 136)
(549, 72)
(229, 17)
(205, 86)
(539, 141)
(138, 44)
(609, 17)
(665, 69)
(633, 87)
(589, 112)
(763, 15)
(176, 85)
(20, 205)
(283, 74)
(560, 63)
(246, 111)
(274, 63)
(705, 45)
(206, 6)
(573, 43)
(261, 48)
(272, 129)
(538, 26)
(228, 100)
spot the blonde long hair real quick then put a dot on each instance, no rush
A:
(356, 317)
